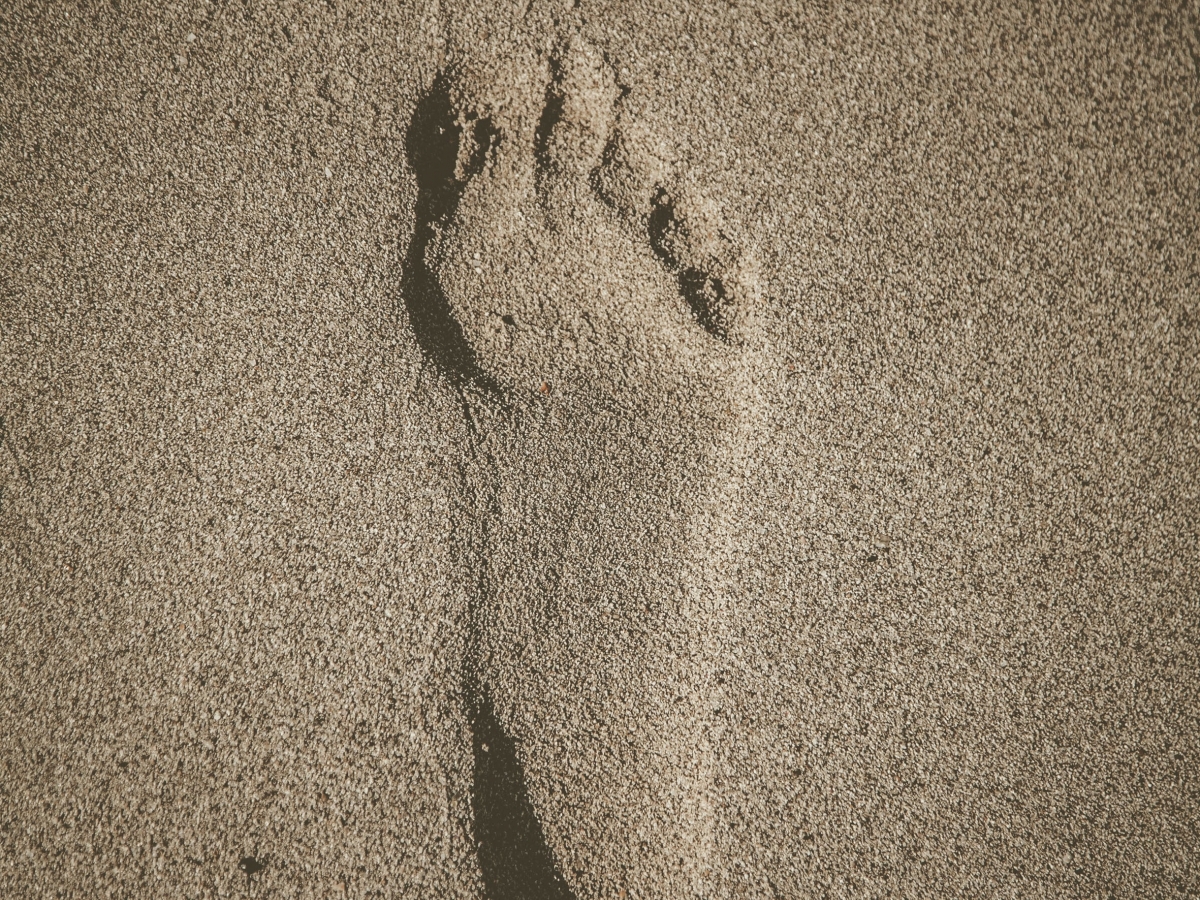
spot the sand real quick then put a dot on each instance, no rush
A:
(576, 450)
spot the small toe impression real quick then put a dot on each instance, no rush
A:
(636, 161)
(580, 111)
(717, 278)
(713, 307)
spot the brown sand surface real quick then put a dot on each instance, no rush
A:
(578, 450)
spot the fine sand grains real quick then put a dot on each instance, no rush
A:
(583, 449)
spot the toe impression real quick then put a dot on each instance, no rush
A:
(716, 276)
(579, 112)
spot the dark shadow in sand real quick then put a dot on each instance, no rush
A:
(516, 863)
(432, 145)
(445, 151)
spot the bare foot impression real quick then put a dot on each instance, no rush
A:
(597, 321)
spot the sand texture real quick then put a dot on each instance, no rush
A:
(557, 451)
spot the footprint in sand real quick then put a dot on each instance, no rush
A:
(597, 322)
